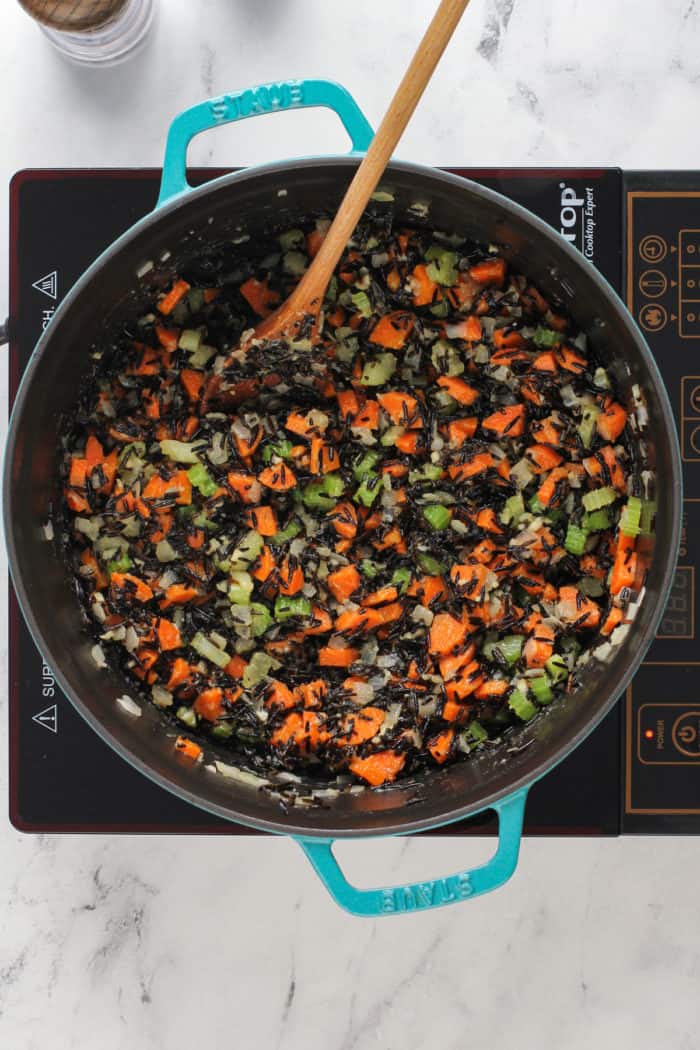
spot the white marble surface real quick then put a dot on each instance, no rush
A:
(151, 943)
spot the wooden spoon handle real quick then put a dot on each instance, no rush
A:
(308, 294)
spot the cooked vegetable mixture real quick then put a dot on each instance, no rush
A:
(365, 557)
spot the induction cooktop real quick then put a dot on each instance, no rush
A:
(639, 771)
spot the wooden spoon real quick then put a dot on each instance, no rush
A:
(302, 307)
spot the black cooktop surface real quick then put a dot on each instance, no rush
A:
(640, 769)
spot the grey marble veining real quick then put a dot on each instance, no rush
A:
(150, 943)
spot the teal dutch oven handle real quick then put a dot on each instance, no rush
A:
(435, 893)
(252, 102)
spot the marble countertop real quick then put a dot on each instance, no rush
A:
(151, 943)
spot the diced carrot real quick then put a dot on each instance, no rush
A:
(323, 458)
(246, 447)
(362, 726)
(539, 646)
(192, 381)
(446, 632)
(344, 519)
(259, 296)
(395, 470)
(624, 570)
(461, 430)
(368, 416)
(263, 520)
(168, 635)
(331, 657)
(302, 425)
(303, 729)
(180, 673)
(348, 404)
(408, 443)
(459, 389)
(344, 582)
(188, 748)
(279, 695)
(167, 337)
(508, 340)
(210, 294)
(169, 301)
(236, 666)
(314, 240)
(542, 457)
(453, 711)
(393, 280)
(244, 485)
(98, 577)
(195, 538)
(441, 745)
(177, 484)
(452, 663)
(392, 330)
(380, 768)
(611, 421)
(390, 613)
(469, 579)
(264, 565)
(401, 408)
(278, 477)
(380, 597)
(486, 519)
(178, 594)
(506, 422)
(423, 288)
(605, 462)
(492, 689)
(469, 329)
(321, 621)
(311, 694)
(392, 538)
(531, 393)
(465, 683)
(489, 272)
(614, 617)
(131, 585)
(358, 620)
(209, 704)
(291, 577)
(570, 361)
(576, 608)
(546, 491)
(476, 464)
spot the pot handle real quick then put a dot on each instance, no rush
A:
(265, 98)
(420, 896)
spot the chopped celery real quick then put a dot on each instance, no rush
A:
(540, 689)
(368, 491)
(521, 706)
(429, 564)
(401, 579)
(378, 370)
(294, 263)
(557, 668)
(647, 516)
(510, 647)
(288, 533)
(201, 357)
(195, 299)
(260, 619)
(586, 427)
(281, 448)
(440, 309)
(601, 379)
(187, 715)
(291, 239)
(429, 472)
(597, 520)
(534, 505)
(570, 644)
(215, 655)
(315, 497)
(545, 338)
(222, 730)
(286, 607)
(591, 586)
(190, 340)
(122, 564)
(259, 665)
(438, 517)
(474, 733)
(513, 509)
(179, 451)
(598, 498)
(575, 539)
(240, 588)
(203, 522)
(333, 484)
(360, 300)
(365, 465)
(390, 435)
(370, 569)
(631, 516)
(247, 551)
(442, 265)
(202, 480)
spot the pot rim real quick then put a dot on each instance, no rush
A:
(542, 230)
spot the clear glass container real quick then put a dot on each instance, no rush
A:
(94, 32)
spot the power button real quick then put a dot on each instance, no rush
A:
(668, 734)
(685, 734)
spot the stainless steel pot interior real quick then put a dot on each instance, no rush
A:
(257, 201)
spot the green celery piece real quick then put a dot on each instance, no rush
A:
(545, 338)
(333, 484)
(429, 564)
(240, 588)
(315, 497)
(557, 668)
(540, 689)
(475, 732)
(510, 647)
(631, 517)
(201, 644)
(440, 309)
(429, 472)
(190, 340)
(187, 716)
(534, 505)
(286, 607)
(586, 427)
(260, 619)
(367, 493)
(178, 451)
(519, 704)
(360, 300)
(365, 465)
(575, 539)
(438, 517)
(401, 579)
(259, 665)
(222, 730)
(288, 533)
(281, 448)
(122, 564)
(378, 370)
(200, 477)
(597, 520)
(596, 499)
(291, 239)
(442, 265)
(513, 509)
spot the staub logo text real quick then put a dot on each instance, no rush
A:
(263, 99)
